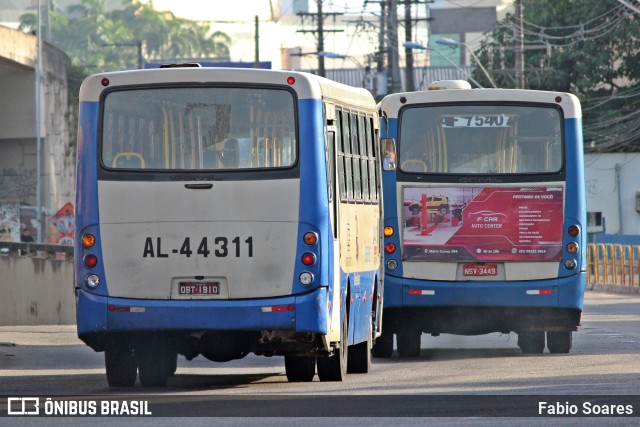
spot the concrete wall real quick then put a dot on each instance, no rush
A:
(36, 291)
(18, 153)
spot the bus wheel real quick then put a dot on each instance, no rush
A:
(384, 345)
(300, 368)
(154, 360)
(409, 343)
(559, 342)
(360, 356)
(531, 342)
(334, 368)
(121, 366)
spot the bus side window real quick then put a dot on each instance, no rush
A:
(355, 151)
(342, 174)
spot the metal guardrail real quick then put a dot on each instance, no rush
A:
(43, 250)
(613, 264)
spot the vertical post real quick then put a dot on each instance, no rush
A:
(381, 75)
(519, 51)
(618, 168)
(38, 70)
(394, 56)
(321, 69)
(408, 52)
(139, 46)
(424, 216)
(256, 61)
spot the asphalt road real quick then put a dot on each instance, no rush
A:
(449, 374)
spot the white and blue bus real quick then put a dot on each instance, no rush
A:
(222, 212)
(485, 217)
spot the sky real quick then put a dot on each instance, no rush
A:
(236, 18)
(223, 10)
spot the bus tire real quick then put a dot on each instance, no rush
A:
(383, 347)
(559, 342)
(409, 343)
(299, 368)
(334, 367)
(531, 342)
(120, 365)
(154, 360)
(359, 360)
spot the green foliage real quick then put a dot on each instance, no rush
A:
(586, 47)
(100, 40)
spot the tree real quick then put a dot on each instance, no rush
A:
(101, 40)
(586, 47)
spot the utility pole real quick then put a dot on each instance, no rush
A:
(319, 18)
(519, 51)
(256, 61)
(394, 56)
(321, 69)
(408, 52)
(381, 78)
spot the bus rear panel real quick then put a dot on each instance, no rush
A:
(204, 228)
(487, 208)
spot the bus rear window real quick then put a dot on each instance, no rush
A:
(203, 128)
(480, 139)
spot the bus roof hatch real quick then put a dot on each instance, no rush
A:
(449, 84)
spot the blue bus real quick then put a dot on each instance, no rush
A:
(484, 216)
(222, 212)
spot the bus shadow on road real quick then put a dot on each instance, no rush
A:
(453, 354)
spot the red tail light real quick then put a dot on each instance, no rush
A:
(308, 258)
(390, 248)
(91, 261)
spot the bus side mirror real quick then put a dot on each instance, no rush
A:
(388, 146)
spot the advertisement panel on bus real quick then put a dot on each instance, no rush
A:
(483, 224)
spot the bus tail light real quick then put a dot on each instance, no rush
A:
(390, 248)
(308, 258)
(573, 231)
(572, 247)
(92, 281)
(392, 264)
(90, 261)
(570, 264)
(88, 240)
(388, 231)
(306, 278)
(310, 238)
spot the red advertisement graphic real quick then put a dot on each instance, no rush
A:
(482, 224)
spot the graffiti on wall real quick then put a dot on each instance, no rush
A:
(9, 222)
(16, 185)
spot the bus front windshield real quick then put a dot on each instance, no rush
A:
(480, 139)
(198, 128)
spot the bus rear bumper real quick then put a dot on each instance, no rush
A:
(475, 308)
(565, 292)
(299, 313)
